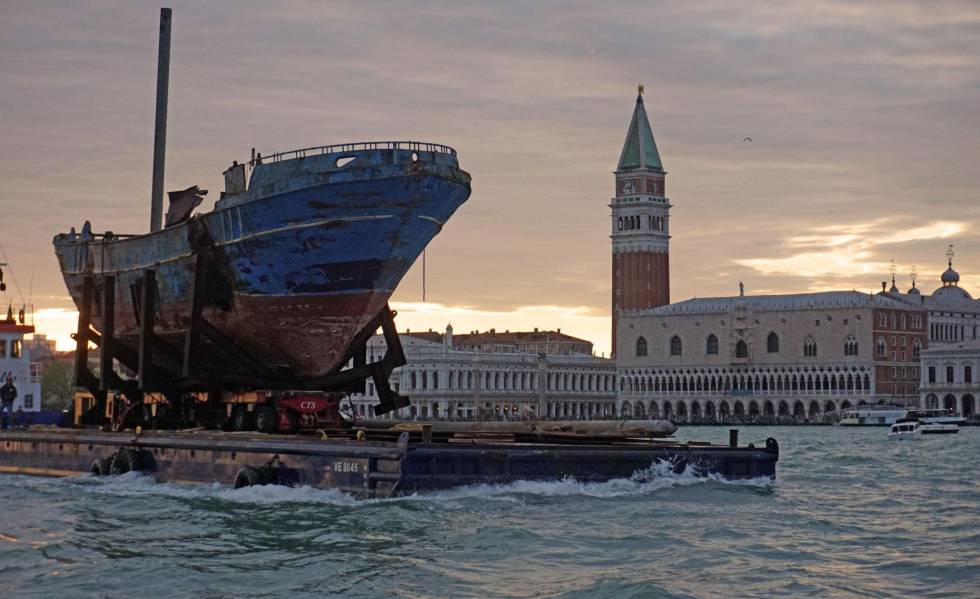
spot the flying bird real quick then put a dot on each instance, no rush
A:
(749, 139)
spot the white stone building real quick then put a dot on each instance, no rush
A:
(949, 378)
(446, 383)
(785, 357)
(950, 364)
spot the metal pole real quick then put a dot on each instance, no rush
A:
(160, 130)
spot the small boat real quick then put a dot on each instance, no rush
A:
(906, 429)
(937, 428)
(872, 416)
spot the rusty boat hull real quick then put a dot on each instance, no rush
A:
(298, 264)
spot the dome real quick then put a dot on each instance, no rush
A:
(950, 276)
(913, 291)
(950, 291)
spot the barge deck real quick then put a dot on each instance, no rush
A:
(392, 465)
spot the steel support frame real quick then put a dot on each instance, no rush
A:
(161, 367)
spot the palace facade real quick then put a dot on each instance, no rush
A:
(446, 382)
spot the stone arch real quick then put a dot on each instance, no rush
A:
(695, 410)
(626, 409)
(741, 349)
(709, 410)
(799, 410)
(768, 409)
(783, 408)
(753, 408)
(932, 402)
(949, 402)
(681, 410)
(738, 408)
(724, 410)
(772, 343)
(814, 409)
(969, 406)
(829, 406)
(639, 410)
(654, 410)
(845, 405)
(668, 410)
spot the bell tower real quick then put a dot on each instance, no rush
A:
(640, 223)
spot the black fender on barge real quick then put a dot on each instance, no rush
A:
(361, 467)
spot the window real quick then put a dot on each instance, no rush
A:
(903, 340)
(772, 343)
(641, 347)
(916, 348)
(675, 346)
(881, 319)
(712, 345)
(949, 374)
(968, 374)
(850, 346)
(741, 349)
(893, 339)
(932, 374)
(881, 347)
(15, 348)
(620, 223)
(29, 401)
(809, 347)
(894, 372)
(3, 348)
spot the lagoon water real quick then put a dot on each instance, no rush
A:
(853, 514)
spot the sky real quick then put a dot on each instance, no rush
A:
(865, 121)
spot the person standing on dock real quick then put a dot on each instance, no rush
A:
(8, 393)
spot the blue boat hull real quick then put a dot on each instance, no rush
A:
(293, 275)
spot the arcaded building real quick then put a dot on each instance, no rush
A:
(487, 376)
(795, 356)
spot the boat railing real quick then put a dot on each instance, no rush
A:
(408, 146)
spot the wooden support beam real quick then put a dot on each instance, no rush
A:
(194, 313)
(83, 375)
(108, 329)
(147, 316)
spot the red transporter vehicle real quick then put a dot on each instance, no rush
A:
(286, 413)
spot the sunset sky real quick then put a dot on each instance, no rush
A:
(865, 121)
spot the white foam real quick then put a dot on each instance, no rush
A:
(657, 477)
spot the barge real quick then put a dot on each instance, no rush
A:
(376, 464)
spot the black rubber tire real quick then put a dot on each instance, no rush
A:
(266, 419)
(125, 460)
(101, 467)
(242, 419)
(248, 477)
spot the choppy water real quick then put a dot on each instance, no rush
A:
(852, 515)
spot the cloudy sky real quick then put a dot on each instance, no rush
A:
(865, 120)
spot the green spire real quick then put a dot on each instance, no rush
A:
(639, 151)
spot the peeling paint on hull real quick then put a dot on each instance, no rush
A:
(293, 275)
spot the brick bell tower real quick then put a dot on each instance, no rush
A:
(640, 223)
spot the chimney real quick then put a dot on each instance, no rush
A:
(884, 285)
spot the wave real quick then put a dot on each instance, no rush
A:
(658, 477)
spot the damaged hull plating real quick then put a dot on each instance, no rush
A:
(296, 265)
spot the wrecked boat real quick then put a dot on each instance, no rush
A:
(296, 262)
